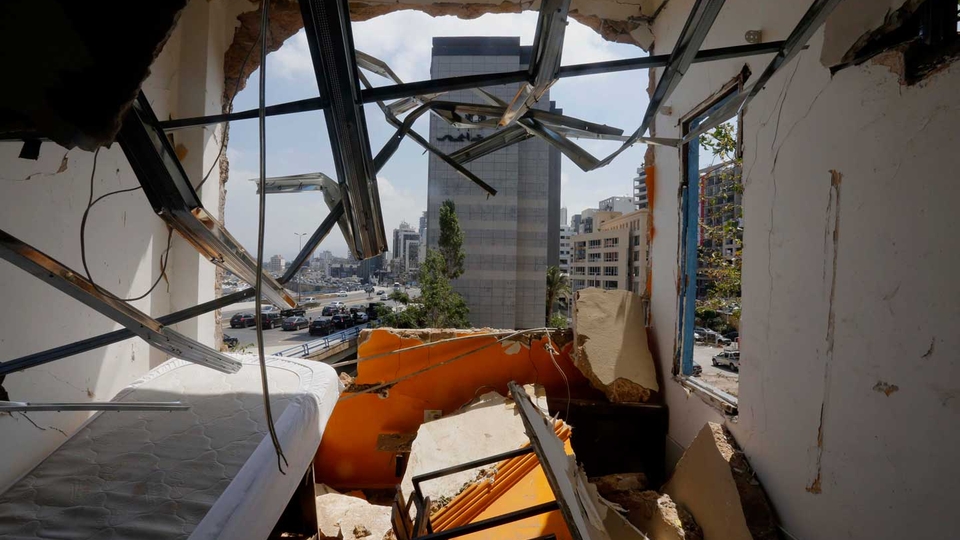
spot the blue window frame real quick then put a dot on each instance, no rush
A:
(690, 227)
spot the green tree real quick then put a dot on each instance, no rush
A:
(557, 285)
(720, 257)
(557, 320)
(451, 241)
(440, 306)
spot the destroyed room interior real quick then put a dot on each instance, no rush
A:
(124, 414)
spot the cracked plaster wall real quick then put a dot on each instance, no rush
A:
(848, 381)
(42, 205)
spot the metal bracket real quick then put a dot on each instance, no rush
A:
(158, 336)
(327, 26)
(117, 406)
(176, 202)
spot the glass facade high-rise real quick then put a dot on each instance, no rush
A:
(508, 238)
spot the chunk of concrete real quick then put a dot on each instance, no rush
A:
(714, 481)
(343, 516)
(658, 516)
(488, 426)
(611, 345)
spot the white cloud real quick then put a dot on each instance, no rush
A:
(399, 205)
(292, 60)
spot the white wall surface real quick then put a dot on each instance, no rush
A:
(886, 463)
(125, 240)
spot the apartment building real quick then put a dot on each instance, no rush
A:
(613, 257)
(640, 189)
(566, 233)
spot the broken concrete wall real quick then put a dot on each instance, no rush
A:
(43, 203)
(619, 21)
(824, 320)
(611, 344)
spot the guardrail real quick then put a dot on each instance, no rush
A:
(322, 344)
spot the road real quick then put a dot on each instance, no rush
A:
(278, 339)
(722, 378)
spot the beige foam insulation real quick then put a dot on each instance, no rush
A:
(612, 350)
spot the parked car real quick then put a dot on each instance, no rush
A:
(342, 320)
(270, 319)
(242, 320)
(293, 312)
(230, 341)
(732, 335)
(269, 308)
(321, 326)
(360, 317)
(330, 311)
(729, 359)
(368, 290)
(295, 323)
(372, 314)
(342, 294)
(338, 304)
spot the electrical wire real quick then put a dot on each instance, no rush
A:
(226, 125)
(164, 257)
(550, 350)
(261, 219)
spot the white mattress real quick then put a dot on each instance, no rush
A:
(209, 472)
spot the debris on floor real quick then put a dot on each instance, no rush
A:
(658, 516)
(613, 484)
(487, 426)
(349, 516)
(714, 470)
(611, 345)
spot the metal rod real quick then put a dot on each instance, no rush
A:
(55, 274)
(466, 82)
(291, 107)
(471, 464)
(23, 406)
(815, 15)
(315, 239)
(490, 523)
(116, 336)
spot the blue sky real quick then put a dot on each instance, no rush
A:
(298, 143)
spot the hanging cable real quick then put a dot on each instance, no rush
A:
(261, 219)
(164, 257)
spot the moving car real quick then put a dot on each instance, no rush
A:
(330, 311)
(295, 323)
(293, 312)
(368, 290)
(270, 319)
(230, 341)
(381, 292)
(242, 320)
(342, 320)
(321, 326)
(338, 304)
(729, 359)
(342, 294)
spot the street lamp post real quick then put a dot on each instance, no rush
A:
(300, 236)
